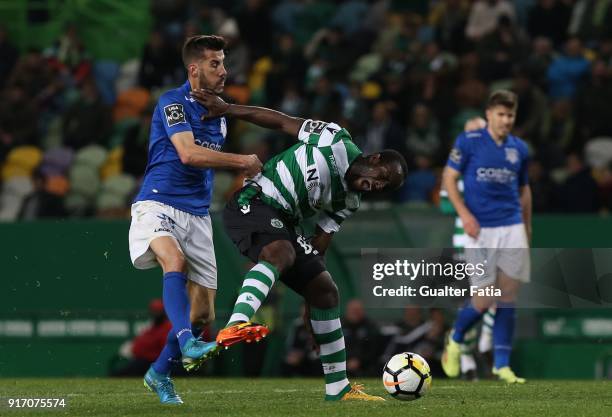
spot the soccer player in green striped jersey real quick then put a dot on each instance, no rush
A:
(322, 175)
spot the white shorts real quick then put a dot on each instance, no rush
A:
(503, 247)
(152, 219)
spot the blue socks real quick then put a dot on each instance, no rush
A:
(176, 304)
(170, 353)
(503, 330)
(466, 319)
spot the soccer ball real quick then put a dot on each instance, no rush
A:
(407, 376)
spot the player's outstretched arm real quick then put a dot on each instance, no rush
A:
(449, 182)
(260, 116)
(200, 157)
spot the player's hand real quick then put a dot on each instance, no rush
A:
(475, 123)
(215, 105)
(252, 165)
(470, 225)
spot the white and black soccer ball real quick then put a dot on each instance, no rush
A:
(407, 376)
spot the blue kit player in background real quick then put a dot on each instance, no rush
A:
(496, 216)
(472, 341)
(170, 225)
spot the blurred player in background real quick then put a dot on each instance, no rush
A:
(323, 174)
(171, 226)
(496, 216)
(471, 340)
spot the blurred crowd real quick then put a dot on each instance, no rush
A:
(397, 74)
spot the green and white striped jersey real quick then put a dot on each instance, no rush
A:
(308, 178)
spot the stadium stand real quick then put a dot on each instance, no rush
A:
(395, 76)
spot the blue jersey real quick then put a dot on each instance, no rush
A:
(492, 175)
(167, 179)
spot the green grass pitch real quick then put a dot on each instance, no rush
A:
(232, 397)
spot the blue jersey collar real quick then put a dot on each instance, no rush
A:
(504, 141)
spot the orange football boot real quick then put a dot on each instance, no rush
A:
(245, 331)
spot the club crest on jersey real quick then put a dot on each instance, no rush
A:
(175, 114)
(512, 155)
(277, 223)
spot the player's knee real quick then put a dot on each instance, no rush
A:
(333, 296)
(508, 296)
(509, 289)
(279, 253)
(173, 262)
(168, 254)
(482, 303)
(176, 263)
(328, 297)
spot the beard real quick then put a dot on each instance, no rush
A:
(216, 88)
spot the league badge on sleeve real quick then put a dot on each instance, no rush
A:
(455, 155)
(174, 114)
(512, 155)
(315, 126)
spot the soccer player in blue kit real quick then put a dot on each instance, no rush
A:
(171, 225)
(496, 215)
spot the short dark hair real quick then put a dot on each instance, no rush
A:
(195, 46)
(504, 98)
(391, 156)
